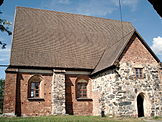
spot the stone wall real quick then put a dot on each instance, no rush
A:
(58, 92)
(118, 90)
(160, 75)
(105, 93)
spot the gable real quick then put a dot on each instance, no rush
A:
(137, 51)
(130, 48)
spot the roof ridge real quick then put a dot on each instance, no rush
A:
(72, 14)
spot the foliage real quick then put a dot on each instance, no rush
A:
(1, 94)
(69, 119)
(157, 118)
(4, 27)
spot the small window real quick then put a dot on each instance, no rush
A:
(35, 87)
(34, 91)
(82, 89)
(139, 73)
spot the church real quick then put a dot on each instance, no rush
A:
(64, 63)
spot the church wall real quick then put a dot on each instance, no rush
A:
(74, 105)
(118, 88)
(16, 99)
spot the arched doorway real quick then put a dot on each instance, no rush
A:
(140, 100)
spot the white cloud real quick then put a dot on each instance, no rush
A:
(157, 45)
(3, 59)
(4, 55)
(95, 8)
(64, 1)
(6, 50)
(90, 7)
(132, 4)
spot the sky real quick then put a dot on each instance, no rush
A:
(139, 12)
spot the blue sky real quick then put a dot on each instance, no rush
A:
(139, 12)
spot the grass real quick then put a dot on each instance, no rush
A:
(68, 119)
(157, 118)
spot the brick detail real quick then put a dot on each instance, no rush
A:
(10, 94)
(23, 105)
(35, 107)
(137, 53)
(73, 106)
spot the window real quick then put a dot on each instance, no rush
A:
(35, 87)
(139, 73)
(82, 89)
(34, 91)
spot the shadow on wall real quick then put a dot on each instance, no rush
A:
(18, 95)
(68, 96)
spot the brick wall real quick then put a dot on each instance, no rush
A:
(10, 94)
(74, 106)
(137, 53)
(19, 103)
(35, 107)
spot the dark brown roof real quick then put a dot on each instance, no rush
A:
(44, 38)
(112, 53)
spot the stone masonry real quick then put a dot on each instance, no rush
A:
(58, 92)
(118, 88)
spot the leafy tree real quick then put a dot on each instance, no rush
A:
(4, 27)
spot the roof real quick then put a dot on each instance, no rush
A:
(44, 38)
(112, 53)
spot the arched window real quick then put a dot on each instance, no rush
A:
(82, 88)
(35, 87)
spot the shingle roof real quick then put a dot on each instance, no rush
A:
(44, 38)
(112, 53)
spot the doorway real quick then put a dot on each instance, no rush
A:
(140, 100)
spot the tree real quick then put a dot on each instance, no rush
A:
(4, 27)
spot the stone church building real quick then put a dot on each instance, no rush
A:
(65, 63)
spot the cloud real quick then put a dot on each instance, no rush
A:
(95, 7)
(4, 55)
(132, 4)
(157, 45)
(64, 1)
(99, 8)
(3, 59)
(6, 50)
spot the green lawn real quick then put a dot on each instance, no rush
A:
(68, 119)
